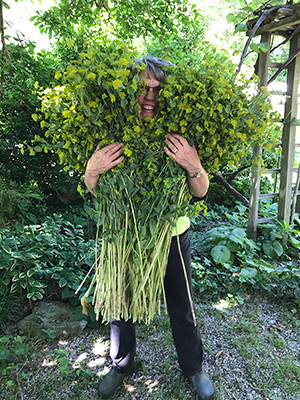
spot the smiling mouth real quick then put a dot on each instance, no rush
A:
(150, 108)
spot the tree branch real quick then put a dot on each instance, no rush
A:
(294, 55)
(260, 20)
(235, 173)
(219, 178)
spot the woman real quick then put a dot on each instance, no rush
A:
(185, 331)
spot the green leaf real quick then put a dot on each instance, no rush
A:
(273, 249)
(220, 254)
(87, 111)
(231, 17)
(240, 28)
(5, 354)
(268, 248)
(296, 121)
(237, 235)
(264, 46)
(56, 276)
(62, 282)
(152, 225)
(295, 242)
(247, 273)
(277, 248)
(67, 293)
(5, 5)
(39, 295)
(257, 47)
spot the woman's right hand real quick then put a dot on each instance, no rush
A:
(102, 160)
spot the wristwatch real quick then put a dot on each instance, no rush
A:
(197, 175)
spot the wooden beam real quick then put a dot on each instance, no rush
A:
(266, 219)
(263, 66)
(280, 25)
(289, 133)
(268, 196)
(277, 171)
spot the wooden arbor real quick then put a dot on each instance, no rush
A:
(283, 21)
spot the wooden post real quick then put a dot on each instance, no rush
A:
(289, 134)
(263, 66)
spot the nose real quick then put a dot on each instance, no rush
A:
(150, 94)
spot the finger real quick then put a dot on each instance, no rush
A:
(169, 153)
(178, 138)
(117, 161)
(116, 154)
(171, 146)
(114, 148)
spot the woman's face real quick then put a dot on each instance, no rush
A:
(147, 100)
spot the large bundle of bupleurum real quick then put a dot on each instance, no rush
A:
(139, 201)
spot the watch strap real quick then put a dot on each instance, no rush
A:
(197, 175)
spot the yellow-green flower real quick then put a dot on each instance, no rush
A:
(128, 152)
(117, 83)
(91, 76)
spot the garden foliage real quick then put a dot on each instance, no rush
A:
(225, 260)
(37, 260)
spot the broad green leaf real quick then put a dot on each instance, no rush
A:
(247, 273)
(220, 254)
(268, 248)
(277, 248)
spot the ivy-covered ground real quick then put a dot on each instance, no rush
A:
(251, 352)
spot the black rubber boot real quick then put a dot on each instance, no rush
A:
(202, 386)
(110, 383)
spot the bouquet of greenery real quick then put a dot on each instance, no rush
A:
(139, 201)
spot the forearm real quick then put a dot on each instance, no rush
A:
(199, 186)
(91, 181)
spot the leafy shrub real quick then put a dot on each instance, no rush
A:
(225, 259)
(19, 202)
(39, 259)
(98, 97)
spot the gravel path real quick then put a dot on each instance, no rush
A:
(68, 370)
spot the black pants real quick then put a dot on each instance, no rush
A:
(185, 334)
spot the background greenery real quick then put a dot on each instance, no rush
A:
(47, 228)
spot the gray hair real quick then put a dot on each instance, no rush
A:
(154, 66)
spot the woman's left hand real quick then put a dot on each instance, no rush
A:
(187, 157)
(178, 148)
